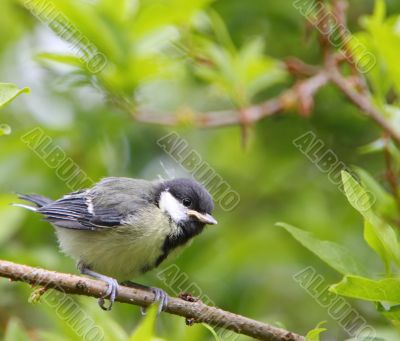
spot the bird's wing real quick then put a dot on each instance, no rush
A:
(104, 206)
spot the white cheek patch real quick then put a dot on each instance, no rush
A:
(172, 207)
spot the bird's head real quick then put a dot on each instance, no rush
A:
(187, 203)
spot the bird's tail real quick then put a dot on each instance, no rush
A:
(37, 199)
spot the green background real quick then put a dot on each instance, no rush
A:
(245, 264)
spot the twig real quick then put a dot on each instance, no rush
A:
(360, 96)
(302, 90)
(197, 311)
(362, 101)
(390, 173)
(300, 96)
(297, 67)
(339, 11)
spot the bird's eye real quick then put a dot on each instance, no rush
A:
(186, 202)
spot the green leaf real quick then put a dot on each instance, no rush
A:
(221, 31)
(83, 18)
(12, 215)
(239, 73)
(384, 201)
(61, 58)
(392, 313)
(5, 129)
(15, 331)
(376, 244)
(360, 199)
(313, 334)
(8, 92)
(366, 289)
(153, 15)
(213, 332)
(145, 331)
(335, 255)
(379, 12)
(111, 329)
(373, 147)
(381, 40)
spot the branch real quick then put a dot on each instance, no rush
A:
(300, 95)
(197, 311)
(364, 102)
(355, 90)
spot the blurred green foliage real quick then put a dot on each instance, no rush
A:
(8, 92)
(168, 56)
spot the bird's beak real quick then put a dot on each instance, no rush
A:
(202, 217)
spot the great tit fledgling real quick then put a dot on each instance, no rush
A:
(123, 227)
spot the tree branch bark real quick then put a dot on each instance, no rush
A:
(197, 311)
(290, 98)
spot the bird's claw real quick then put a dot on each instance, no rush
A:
(111, 294)
(160, 297)
(112, 285)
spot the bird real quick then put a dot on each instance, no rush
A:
(122, 227)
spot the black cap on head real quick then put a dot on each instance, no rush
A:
(192, 194)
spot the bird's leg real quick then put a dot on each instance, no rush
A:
(112, 290)
(160, 296)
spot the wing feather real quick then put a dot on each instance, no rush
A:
(104, 206)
